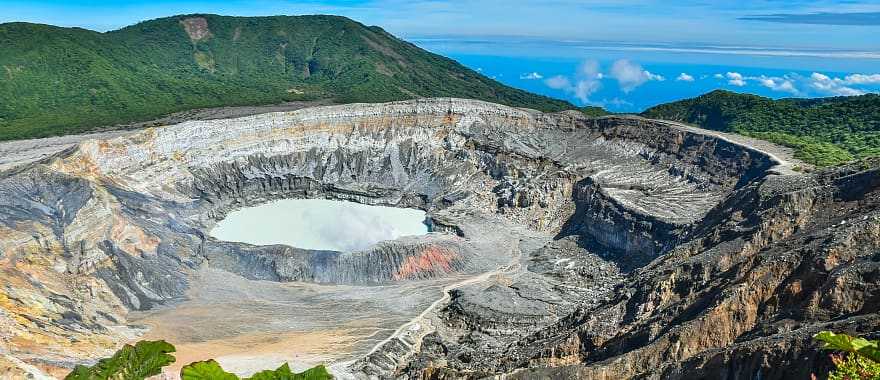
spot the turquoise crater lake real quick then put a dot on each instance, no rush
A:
(320, 224)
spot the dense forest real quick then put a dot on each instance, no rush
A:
(823, 131)
(57, 81)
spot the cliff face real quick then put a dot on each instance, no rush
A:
(611, 247)
(743, 297)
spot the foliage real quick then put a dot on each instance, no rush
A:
(824, 131)
(594, 111)
(284, 373)
(147, 358)
(870, 349)
(861, 359)
(137, 362)
(807, 148)
(65, 80)
(206, 370)
(211, 370)
(854, 367)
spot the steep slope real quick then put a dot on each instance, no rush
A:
(117, 226)
(565, 246)
(824, 131)
(64, 80)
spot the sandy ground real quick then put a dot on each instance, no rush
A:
(249, 325)
(247, 354)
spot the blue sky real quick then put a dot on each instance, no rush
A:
(625, 54)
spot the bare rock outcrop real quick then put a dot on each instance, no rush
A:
(617, 247)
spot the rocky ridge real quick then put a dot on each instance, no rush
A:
(613, 247)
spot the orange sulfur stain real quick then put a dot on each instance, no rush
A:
(432, 258)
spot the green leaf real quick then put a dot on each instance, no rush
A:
(284, 373)
(838, 342)
(841, 342)
(315, 373)
(871, 352)
(211, 370)
(137, 362)
(206, 370)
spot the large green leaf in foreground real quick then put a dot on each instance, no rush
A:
(137, 362)
(206, 370)
(211, 370)
(841, 342)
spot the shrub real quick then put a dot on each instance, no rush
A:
(859, 358)
(147, 358)
(140, 361)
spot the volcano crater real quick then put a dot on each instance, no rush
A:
(534, 217)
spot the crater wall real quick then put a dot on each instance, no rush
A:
(117, 225)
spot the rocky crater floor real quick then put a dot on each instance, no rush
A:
(563, 247)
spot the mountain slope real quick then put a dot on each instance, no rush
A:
(824, 131)
(64, 80)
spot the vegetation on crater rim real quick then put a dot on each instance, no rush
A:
(823, 131)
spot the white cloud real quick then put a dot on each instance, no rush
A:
(685, 77)
(585, 88)
(589, 77)
(656, 77)
(815, 84)
(735, 79)
(590, 69)
(588, 80)
(531, 76)
(558, 82)
(784, 84)
(631, 75)
(862, 79)
(829, 86)
(718, 76)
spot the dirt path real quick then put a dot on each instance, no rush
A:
(422, 324)
(783, 155)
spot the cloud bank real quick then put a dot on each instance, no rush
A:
(735, 79)
(588, 78)
(631, 75)
(816, 84)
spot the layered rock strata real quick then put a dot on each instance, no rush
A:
(609, 248)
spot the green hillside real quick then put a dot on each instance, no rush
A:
(823, 131)
(64, 80)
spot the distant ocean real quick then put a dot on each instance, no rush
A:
(654, 74)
